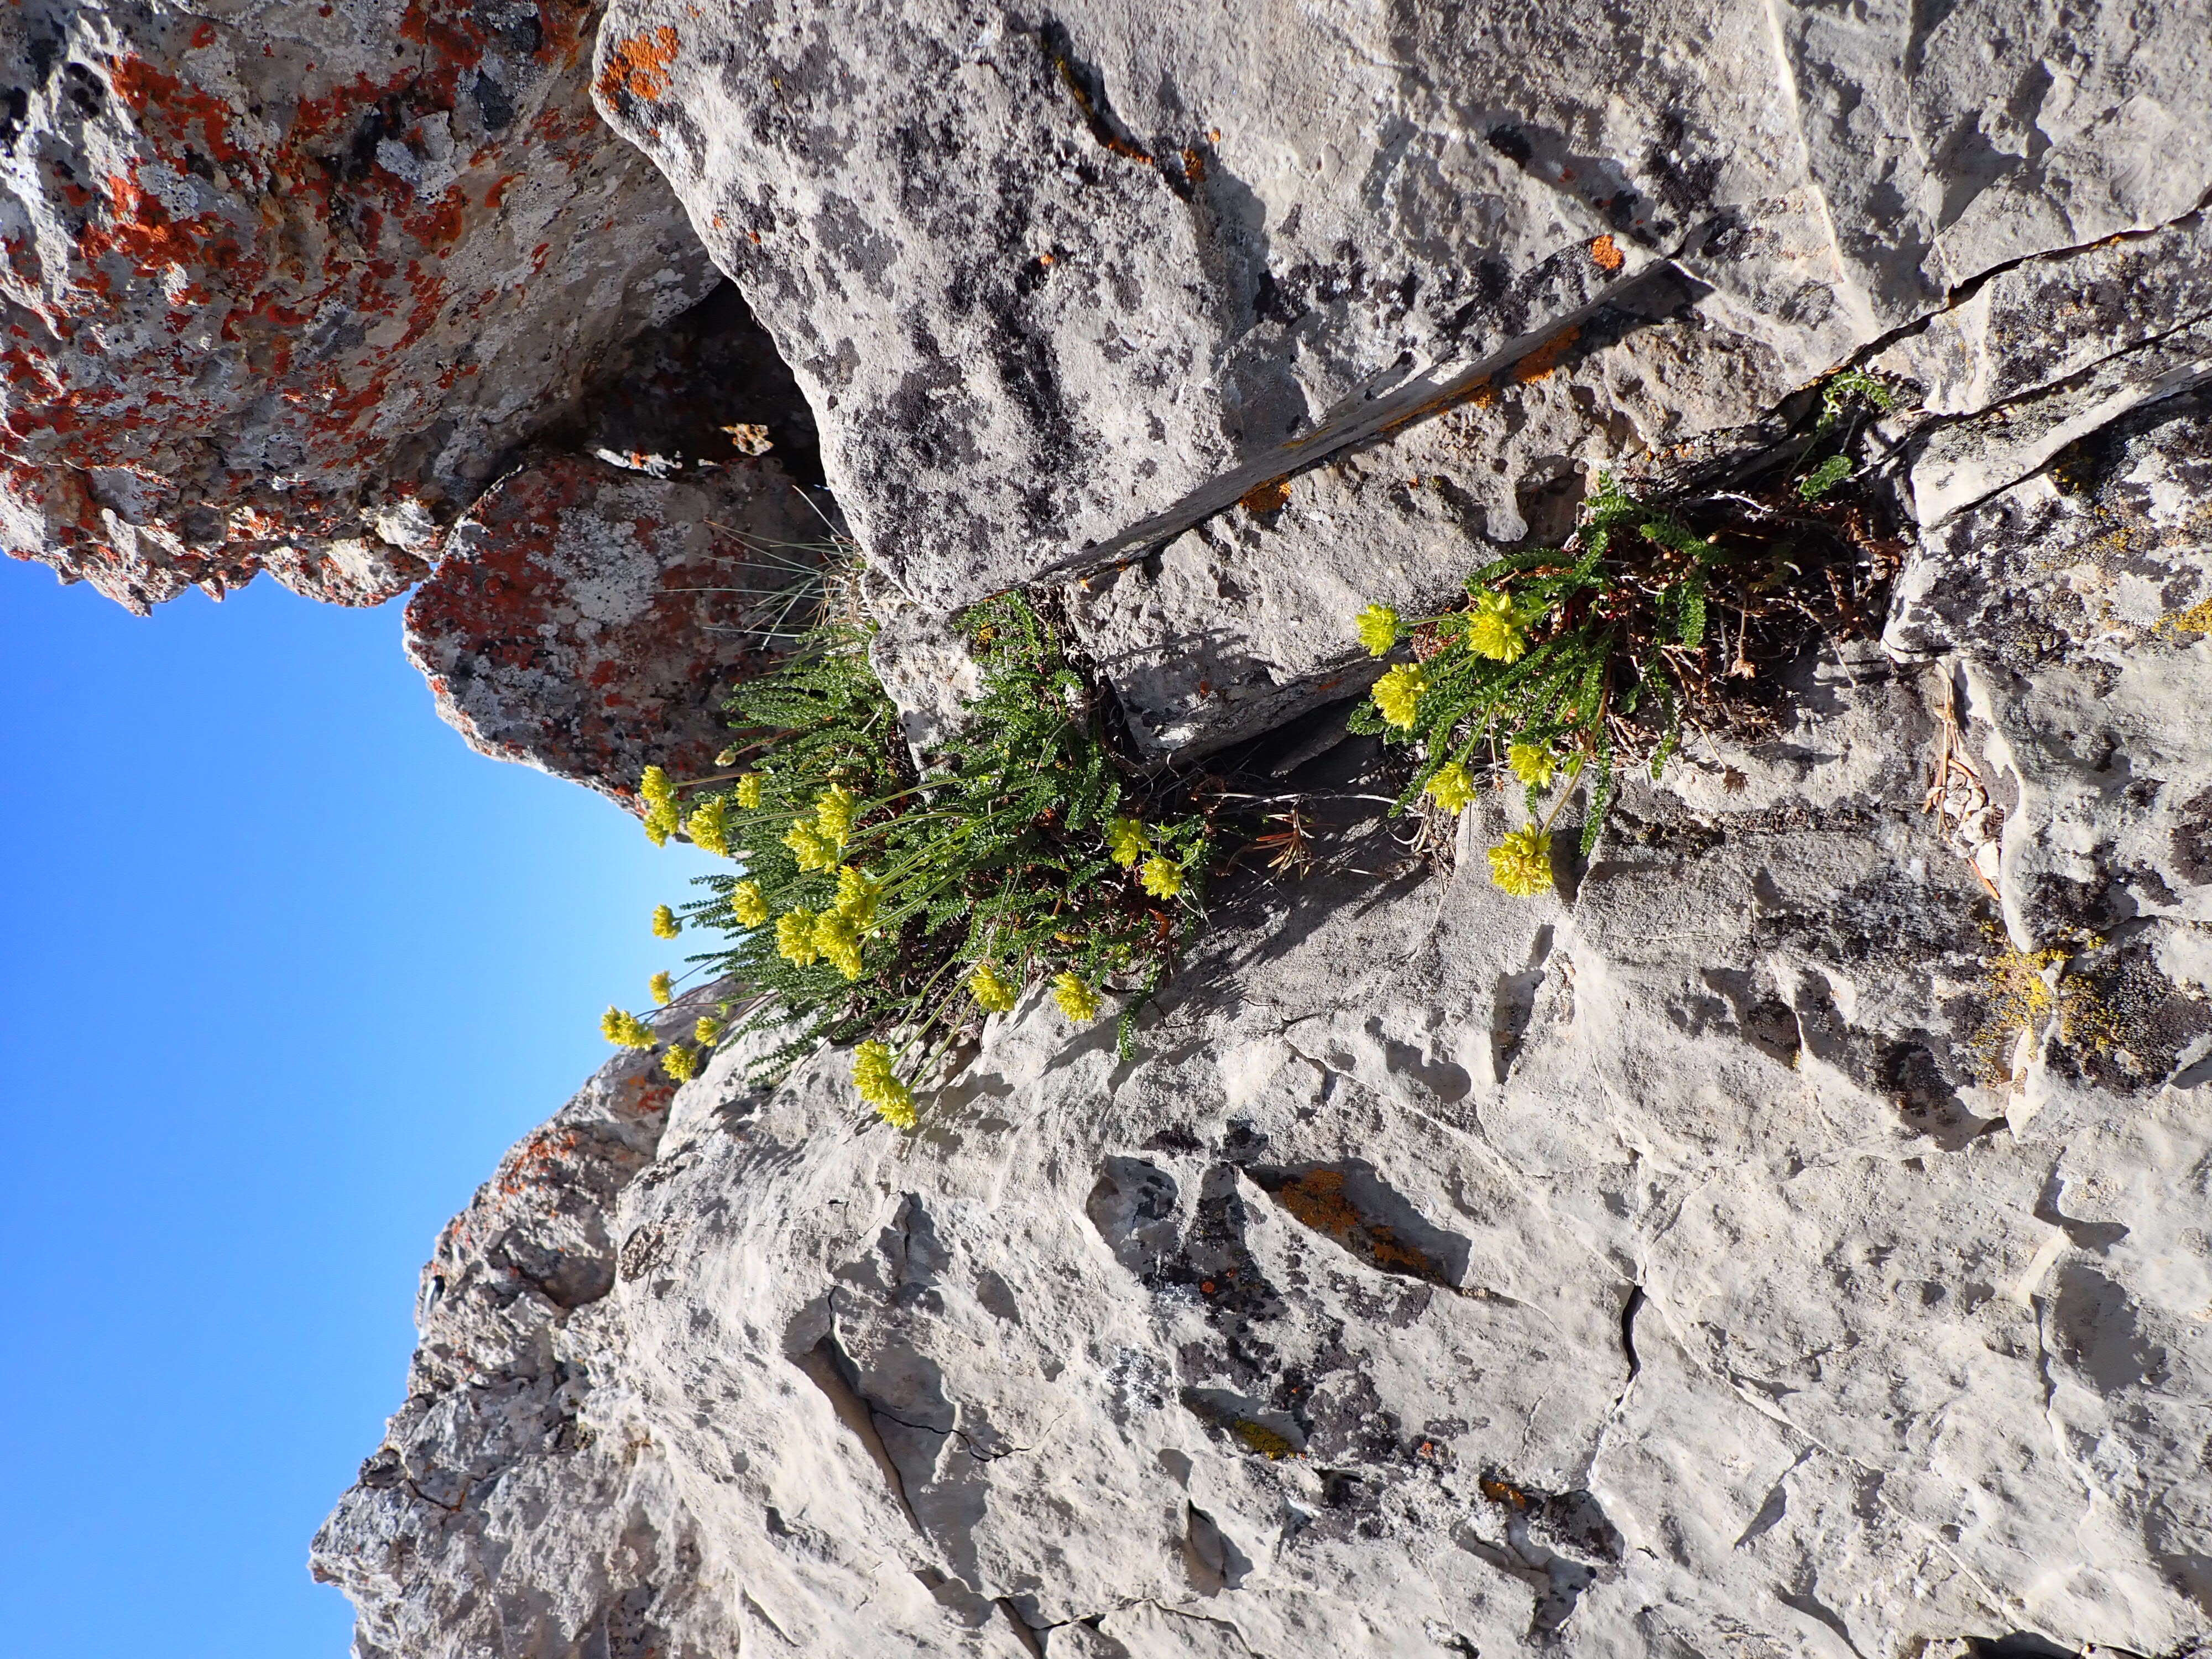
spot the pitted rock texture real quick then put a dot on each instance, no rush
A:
(1071, 282)
(591, 621)
(1712, 1257)
(283, 287)
(489, 1476)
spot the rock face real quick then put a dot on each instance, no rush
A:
(1715, 1257)
(1069, 285)
(1789, 1238)
(283, 286)
(491, 1417)
(591, 621)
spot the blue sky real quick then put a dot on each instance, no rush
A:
(286, 968)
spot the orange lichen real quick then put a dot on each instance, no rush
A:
(1546, 358)
(1607, 256)
(1317, 1198)
(639, 66)
(1266, 498)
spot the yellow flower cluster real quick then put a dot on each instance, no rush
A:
(832, 815)
(709, 827)
(838, 938)
(809, 849)
(1531, 764)
(857, 896)
(660, 793)
(1496, 631)
(1522, 863)
(1162, 876)
(1450, 789)
(748, 904)
(625, 1030)
(1378, 629)
(879, 1086)
(661, 988)
(748, 791)
(1076, 999)
(1398, 694)
(794, 938)
(1125, 840)
(665, 925)
(681, 1063)
(992, 990)
(707, 1031)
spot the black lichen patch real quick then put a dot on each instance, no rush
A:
(2122, 1024)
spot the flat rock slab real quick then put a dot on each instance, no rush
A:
(283, 287)
(591, 621)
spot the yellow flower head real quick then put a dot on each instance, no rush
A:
(1076, 999)
(1532, 762)
(748, 791)
(809, 849)
(857, 896)
(1522, 863)
(656, 787)
(665, 925)
(709, 827)
(1450, 789)
(1125, 840)
(625, 1030)
(1378, 629)
(879, 1086)
(680, 1062)
(1398, 694)
(661, 988)
(1496, 630)
(660, 822)
(707, 1031)
(794, 938)
(1162, 876)
(747, 905)
(833, 812)
(836, 938)
(992, 990)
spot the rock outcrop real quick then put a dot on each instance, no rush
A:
(1718, 1257)
(1788, 1238)
(284, 286)
(1075, 283)
(591, 621)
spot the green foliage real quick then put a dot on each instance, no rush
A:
(1852, 387)
(1845, 399)
(1825, 477)
(1588, 672)
(1568, 665)
(868, 896)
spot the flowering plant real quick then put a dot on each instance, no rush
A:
(1565, 665)
(869, 896)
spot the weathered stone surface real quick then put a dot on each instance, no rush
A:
(494, 1518)
(1074, 284)
(284, 285)
(2068, 597)
(591, 621)
(1699, 1261)
(1246, 620)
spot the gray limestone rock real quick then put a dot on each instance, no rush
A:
(1072, 283)
(1720, 1254)
(1787, 1238)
